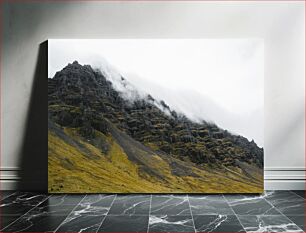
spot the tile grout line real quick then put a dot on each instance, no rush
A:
(69, 213)
(191, 214)
(296, 194)
(234, 213)
(26, 213)
(282, 214)
(107, 213)
(149, 213)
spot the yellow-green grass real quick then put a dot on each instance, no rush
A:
(71, 170)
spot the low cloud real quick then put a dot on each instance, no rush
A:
(195, 106)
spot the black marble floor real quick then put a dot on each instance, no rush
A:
(274, 211)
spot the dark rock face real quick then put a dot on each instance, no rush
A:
(81, 97)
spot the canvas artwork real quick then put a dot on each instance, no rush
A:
(155, 116)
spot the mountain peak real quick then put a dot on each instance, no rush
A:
(74, 64)
(80, 76)
(77, 66)
(144, 119)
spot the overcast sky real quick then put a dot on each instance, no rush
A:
(220, 80)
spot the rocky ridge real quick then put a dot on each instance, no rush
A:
(83, 98)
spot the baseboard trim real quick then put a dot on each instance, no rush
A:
(285, 178)
(276, 178)
(284, 169)
(9, 184)
(284, 184)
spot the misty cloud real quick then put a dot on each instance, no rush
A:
(216, 80)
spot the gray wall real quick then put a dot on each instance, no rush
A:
(23, 70)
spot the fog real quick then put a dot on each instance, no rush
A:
(217, 80)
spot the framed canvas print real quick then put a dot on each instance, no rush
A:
(155, 116)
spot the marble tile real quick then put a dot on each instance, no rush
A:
(217, 223)
(7, 220)
(286, 202)
(301, 193)
(266, 223)
(170, 205)
(63, 199)
(98, 199)
(95, 205)
(88, 215)
(5, 194)
(282, 193)
(169, 224)
(60, 205)
(299, 220)
(35, 223)
(21, 202)
(209, 205)
(81, 223)
(250, 205)
(32, 212)
(44, 209)
(125, 223)
(130, 204)
(52, 212)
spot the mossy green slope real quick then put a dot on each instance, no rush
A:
(85, 168)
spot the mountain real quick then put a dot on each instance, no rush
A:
(105, 139)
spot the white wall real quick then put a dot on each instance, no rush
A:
(281, 25)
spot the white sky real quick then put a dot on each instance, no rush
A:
(220, 80)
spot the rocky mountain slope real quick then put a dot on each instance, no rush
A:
(144, 144)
